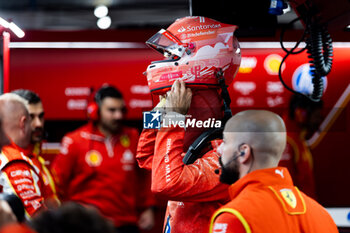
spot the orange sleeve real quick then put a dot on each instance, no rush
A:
(16, 227)
(21, 180)
(227, 223)
(174, 180)
(145, 148)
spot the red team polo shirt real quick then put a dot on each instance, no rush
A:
(94, 170)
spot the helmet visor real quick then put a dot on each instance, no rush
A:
(167, 44)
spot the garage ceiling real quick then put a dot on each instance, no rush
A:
(78, 14)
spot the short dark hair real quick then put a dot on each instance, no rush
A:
(71, 217)
(107, 91)
(30, 96)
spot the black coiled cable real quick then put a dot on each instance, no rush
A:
(320, 50)
(290, 52)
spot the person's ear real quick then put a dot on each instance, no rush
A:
(245, 153)
(22, 122)
(220, 149)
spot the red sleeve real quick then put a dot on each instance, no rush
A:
(63, 165)
(227, 223)
(21, 179)
(176, 181)
(145, 196)
(145, 148)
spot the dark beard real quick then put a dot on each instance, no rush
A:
(37, 135)
(112, 127)
(229, 174)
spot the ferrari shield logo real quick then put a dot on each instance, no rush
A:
(289, 197)
(125, 141)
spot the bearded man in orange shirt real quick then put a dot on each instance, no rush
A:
(263, 197)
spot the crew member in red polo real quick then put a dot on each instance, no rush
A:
(97, 166)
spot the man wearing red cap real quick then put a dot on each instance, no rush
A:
(204, 55)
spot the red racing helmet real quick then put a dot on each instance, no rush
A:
(196, 49)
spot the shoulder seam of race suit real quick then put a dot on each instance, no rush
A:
(17, 158)
(235, 213)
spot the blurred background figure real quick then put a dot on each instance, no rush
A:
(36, 112)
(15, 205)
(21, 171)
(4, 140)
(97, 166)
(304, 118)
(6, 214)
(70, 217)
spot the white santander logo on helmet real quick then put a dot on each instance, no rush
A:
(201, 27)
(195, 53)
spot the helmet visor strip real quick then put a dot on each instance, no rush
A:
(167, 44)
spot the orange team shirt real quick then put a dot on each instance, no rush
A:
(266, 201)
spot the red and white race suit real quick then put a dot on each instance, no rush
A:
(194, 190)
(25, 174)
